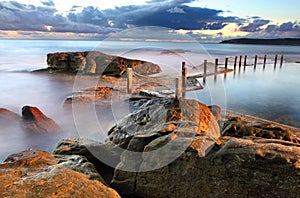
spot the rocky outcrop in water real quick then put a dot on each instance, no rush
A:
(33, 120)
(35, 173)
(98, 63)
(7, 116)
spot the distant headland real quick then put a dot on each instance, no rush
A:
(282, 41)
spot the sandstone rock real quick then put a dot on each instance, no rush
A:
(8, 116)
(216, 111)
(235, 127)
(100, 96)
(80, 164)
(239, 168)
(104, 157)
(35, 173)
(157, 115)
(98, 63)
(155, 135)
(34, 120)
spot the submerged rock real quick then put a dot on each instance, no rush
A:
(35, 173)
(7, 116)
(94, 62)
(34, 120)
(100, 96)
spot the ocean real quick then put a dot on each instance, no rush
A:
(269, 93)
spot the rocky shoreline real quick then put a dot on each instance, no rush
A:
(164, 147)
(188, 152)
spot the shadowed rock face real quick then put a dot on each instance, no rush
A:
(98, 63)
(35, 173)
(34, 120)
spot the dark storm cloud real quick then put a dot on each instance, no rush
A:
(170, 16)
(20, 17)
(255, 25)
(89, 15)
(48, 3)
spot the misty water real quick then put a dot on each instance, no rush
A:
(270, 93)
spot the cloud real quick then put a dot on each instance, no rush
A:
(176, 10)
(255, 25)
(172, 14)
(20, 17)
(284, 30)
(168, 15)
(89, 15)
(48, 3)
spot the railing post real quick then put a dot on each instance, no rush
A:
(184, 79)
(275, 61)
(255, 61)
(245, 61)
(282, 59)
(216, 65)
(226, 63)
(205, 67)
(265, 60)
(235, 62)
(178, 87)
(129, 80)
(240, 63)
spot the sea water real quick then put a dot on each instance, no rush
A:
(267, 92)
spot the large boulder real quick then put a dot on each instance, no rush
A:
(156, 134)
(164, 116)
(105, 157)
(181, 160)
(98, 63)
(35, 173)
(34, 120)
(239, 168)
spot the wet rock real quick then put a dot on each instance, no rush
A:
(34, 120)
(164, 116)
(104, 157)
(35, 173)
(80, 164)
(236, 127)
(100, 96)
(98, 63)
(238, 169)
(216, 111)
(155, 135)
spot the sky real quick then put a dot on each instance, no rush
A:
(205, 20)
